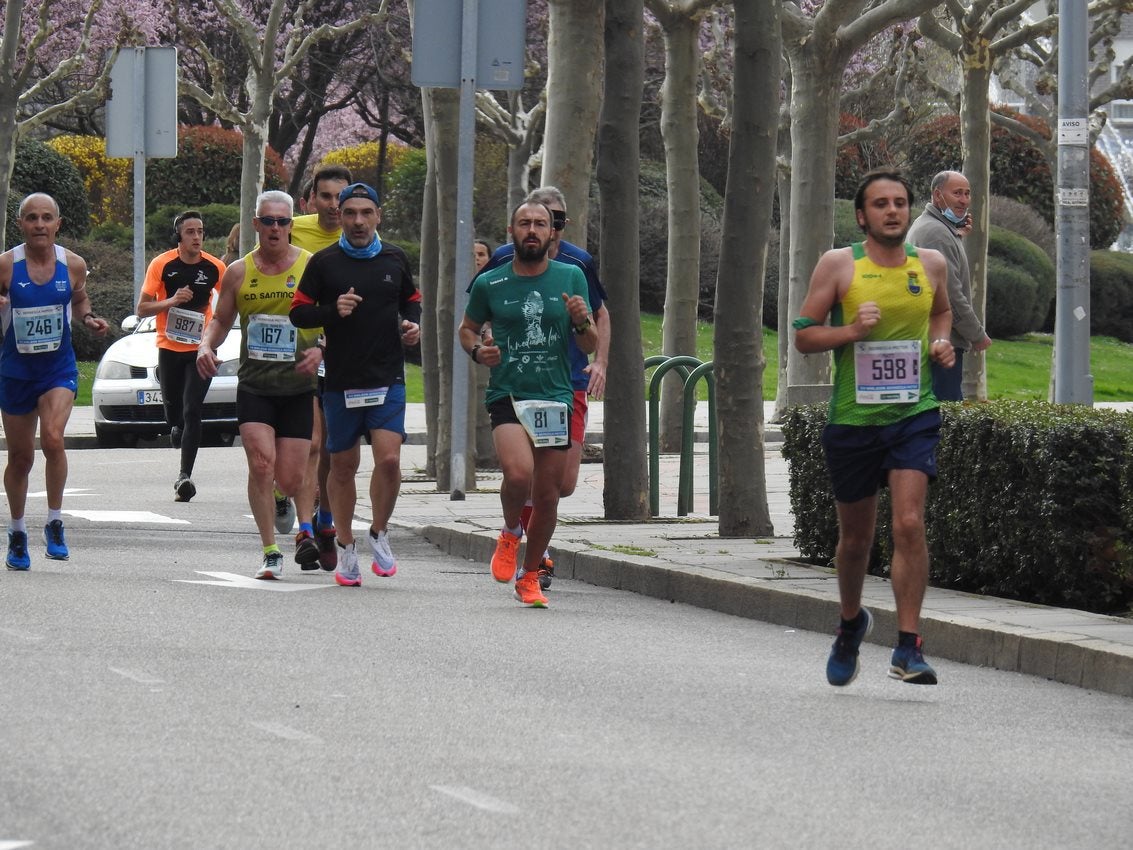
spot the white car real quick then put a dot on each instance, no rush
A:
(126, 394)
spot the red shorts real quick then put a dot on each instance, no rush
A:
(578, 417)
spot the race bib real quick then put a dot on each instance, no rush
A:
(271, 338)
(38, 329)
(547, 423)
(184, 325)
(887, 371)
(366, 398)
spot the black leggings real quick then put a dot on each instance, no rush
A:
(183, 394)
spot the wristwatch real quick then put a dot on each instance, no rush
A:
(472, 352)
(581, 329)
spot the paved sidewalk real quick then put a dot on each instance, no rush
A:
(685, 560)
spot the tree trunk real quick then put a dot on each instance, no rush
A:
(625, 494)
(427, 281)
(9, 103)
(574, 80)
(738, 357)
(783, 297)
(814, 134)
(975, 143)
(682, 178)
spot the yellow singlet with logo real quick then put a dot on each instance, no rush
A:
(264, 302)
(886, 377)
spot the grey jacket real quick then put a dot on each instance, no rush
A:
(933, 230)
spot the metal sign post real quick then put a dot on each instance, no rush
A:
(141, 121)
(488, 39)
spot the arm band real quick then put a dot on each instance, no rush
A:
(804, 322)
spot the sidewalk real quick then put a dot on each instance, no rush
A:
(685, 560)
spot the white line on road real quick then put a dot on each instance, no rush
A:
(475, 798)
(13, 845)
(249, 583)
(287, 732)
(22, 636)
(137, 676)
(126, 517)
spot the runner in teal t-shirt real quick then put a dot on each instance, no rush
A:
(534, 306)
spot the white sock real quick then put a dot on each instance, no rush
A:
(53, 514)
(17, 525)
(516, 532)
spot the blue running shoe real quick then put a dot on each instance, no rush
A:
(18, 557)
(53, 537)
(842, 665)
(908, 665)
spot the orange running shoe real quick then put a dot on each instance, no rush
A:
(506, 554)
(528, 592)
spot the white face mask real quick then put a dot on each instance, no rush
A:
(952, 217)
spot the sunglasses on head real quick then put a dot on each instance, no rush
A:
(269, 220)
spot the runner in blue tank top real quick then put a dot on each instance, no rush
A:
(42, 289)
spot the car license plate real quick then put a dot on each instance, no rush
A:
(149, 396)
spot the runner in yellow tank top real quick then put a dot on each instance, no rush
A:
(275, 398)
(886, 376)
(889, 313)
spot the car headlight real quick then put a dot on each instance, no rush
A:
(112, 370)
(228, 368)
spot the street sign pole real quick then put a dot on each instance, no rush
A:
(1073, 383)
(466, 151)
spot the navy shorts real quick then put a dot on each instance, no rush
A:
(345, 425)
(859, 457)
(19, 397)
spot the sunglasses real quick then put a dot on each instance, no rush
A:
(558, 219)
(269, 220)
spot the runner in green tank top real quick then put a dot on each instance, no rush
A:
(278, 365)
(888, 308)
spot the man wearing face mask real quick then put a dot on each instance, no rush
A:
(944, 222)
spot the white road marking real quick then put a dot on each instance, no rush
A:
(137, 676)
(22, 636)
(126, 517)
(249, 583)
(13, 845)
(475, 798)
(67, 491)
(287, 732)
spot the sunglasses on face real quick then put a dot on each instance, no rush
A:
(269, 220)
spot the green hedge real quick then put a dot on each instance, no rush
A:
(38, 168)
(1111, 294)
(1033, 502)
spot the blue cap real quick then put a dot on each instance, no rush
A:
(358, 190)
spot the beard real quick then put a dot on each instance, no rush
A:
(529, 253)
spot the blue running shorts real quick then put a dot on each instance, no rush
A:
(859, 457)
(19, 397)
(346, 424)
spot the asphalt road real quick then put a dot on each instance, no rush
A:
(152, 695)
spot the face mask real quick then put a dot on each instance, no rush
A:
(952, 217)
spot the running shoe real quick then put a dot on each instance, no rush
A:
(306, 551)
(842, 665)
(384, 564)
(908, 665)
(546, 571)
(506, 554)
(346, 573)
(284, 514)
(53, 537)
(18, 557)
(175, 437)
(272, 567)
(183, 488)
(527, 591)
(328, 549)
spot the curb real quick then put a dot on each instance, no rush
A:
(1071, 659)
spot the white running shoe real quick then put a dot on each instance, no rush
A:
(385, 565)
(284, 514)
(272, 567)
(346, 574)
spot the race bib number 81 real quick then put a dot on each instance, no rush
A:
(547, 423)
(887, 372)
